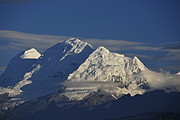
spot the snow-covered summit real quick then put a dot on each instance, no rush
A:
(30, 54)
(102, 62)
(102, 49)
(106, 70)
(66, 48)
(76, 43)
(66, 56)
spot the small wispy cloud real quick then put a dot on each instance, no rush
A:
(171, 48)
(113, 45)
(139, 55)
(169, 56)
(2, 69)
(162, 80)
(21, 41)
(171, 67)
(167, 43)
(145, 48)
(173, 53)
(112, 42)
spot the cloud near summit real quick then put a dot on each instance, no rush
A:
(21, 41)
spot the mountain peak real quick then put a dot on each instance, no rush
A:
(139, 63)
(30, 54)
(101, 48)
(77, 45)
(66, 48)
(73, 40)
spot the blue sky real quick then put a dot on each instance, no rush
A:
(149, 29)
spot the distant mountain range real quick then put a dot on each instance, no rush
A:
(72, 77)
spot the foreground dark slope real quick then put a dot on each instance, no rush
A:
(154, 116)
(56, 107)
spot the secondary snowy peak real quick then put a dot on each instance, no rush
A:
(18, 66)
(30, 54)
(140, 65)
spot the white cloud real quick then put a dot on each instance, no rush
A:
(175, 66)
(171, 55)
(21, 41)
(82, 84)
(177, 42)
(2, 69)
(162, 80)
(138, 55)
(147, 48)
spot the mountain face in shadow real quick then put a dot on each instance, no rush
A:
(94, 107)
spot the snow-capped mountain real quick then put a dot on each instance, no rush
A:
(111, 72)
(77, 68)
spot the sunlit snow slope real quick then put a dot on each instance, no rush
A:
(111, 72)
